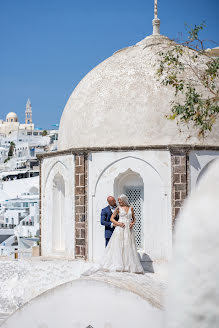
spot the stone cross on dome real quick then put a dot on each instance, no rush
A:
(156, 21)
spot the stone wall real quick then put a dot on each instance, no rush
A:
(180, 179)
(80, 205)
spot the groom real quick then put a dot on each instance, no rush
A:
(106, 214)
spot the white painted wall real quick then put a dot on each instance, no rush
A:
(154, 168)
(200, 161)
(64, 167)
(15, 187)
(81, 303)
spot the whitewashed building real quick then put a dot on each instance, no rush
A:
(114, 138)
(19, 222)
(19, 216)
(26, 146)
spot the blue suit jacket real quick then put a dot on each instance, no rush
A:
(106, 214)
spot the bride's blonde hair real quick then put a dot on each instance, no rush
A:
(124, 198)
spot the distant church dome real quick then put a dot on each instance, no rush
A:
(121, 103)
(11, 117)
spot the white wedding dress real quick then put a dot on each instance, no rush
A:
(121, 253)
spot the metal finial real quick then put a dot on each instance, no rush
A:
(156, 21)
(155, 9)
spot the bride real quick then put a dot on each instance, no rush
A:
(121, 253)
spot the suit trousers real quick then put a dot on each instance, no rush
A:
(107, 240)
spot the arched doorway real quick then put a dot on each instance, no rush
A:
(150, 196)
(131, 184)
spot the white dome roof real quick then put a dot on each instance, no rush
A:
(121, 103)
(11, 115)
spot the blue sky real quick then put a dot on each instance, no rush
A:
(47, 46)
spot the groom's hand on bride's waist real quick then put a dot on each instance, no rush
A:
(120, 224)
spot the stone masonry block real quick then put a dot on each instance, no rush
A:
(179, 169)
(180, 186)
(80, 241)
(183, 178)
(177, 160)
(177, 195)
(79, 190)
(176, 178)
(79, 169)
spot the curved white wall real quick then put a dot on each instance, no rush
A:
(81, 303)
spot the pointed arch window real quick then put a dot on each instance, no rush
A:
(58, 233)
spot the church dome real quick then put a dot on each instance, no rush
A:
(11, 117)
(122, 103)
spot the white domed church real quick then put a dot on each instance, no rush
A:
(12, 123)
(114, 138)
